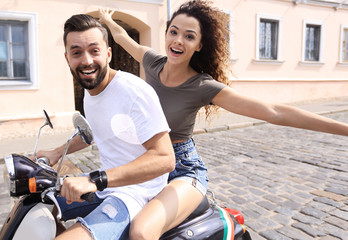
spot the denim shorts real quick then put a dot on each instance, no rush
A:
(189, 166)
(104, 218)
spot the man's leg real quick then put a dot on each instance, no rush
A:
(110, 220)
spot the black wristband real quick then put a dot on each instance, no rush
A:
(104, 179)
(100, 179)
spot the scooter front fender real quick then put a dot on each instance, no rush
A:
(29, 219)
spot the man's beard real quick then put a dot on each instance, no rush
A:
(90, 83)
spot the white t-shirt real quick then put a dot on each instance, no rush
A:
(124, 115)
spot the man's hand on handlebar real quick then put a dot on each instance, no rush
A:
(74, 187)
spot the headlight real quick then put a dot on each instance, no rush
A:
(8, 169)
(9, 166)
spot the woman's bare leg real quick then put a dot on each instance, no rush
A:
(167, 210)
(76, 231)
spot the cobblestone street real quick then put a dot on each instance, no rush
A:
(288, 183)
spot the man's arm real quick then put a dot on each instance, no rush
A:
(54, 155)
(158, 159)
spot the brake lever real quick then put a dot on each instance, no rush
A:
(51, 195)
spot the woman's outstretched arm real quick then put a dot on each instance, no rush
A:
(121, 37)
(279, 114)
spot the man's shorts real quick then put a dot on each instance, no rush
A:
(104, 218)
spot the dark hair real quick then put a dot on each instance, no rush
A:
(83, 22)
(214, 56)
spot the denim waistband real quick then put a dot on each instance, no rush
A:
(187, 143)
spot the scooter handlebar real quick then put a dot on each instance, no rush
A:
(89, 197)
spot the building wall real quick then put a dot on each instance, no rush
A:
(54, 89)
(289, 79)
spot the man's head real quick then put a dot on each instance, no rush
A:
(86, 50)
(83, 22)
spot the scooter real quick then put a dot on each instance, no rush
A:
(35, 185)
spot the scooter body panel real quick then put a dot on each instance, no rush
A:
(27, 214)
(41, 216)
(209, 225)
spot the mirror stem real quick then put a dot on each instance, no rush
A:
(62, 159)
(37, 140)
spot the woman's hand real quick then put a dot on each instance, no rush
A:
(105, 15)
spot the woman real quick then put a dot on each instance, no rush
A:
(193, 74)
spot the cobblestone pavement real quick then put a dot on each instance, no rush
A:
(288, 183)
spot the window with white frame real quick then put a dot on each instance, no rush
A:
(230, 37)
(312, 42)
(268, 37)
(18, 51)
(344, 44)
(14, 50)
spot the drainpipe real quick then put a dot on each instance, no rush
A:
(169, 9)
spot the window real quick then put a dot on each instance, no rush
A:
(13, 50)
(18, 51)
(312, 42)
(230, 37)
(344, 44)
(268, 38)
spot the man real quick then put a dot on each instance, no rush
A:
(129, 129)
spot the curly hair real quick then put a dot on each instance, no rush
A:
(214, 56)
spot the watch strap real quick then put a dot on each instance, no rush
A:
(99, 178)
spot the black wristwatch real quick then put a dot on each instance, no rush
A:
(100, 179)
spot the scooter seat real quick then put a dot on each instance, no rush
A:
(202, 207)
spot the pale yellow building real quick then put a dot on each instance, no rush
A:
(281, 50)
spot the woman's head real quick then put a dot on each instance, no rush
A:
(214, 54)
(214, 31)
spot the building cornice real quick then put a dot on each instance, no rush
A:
(336, 4)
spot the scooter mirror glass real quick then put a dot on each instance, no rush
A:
(85, 131)
(48, 120)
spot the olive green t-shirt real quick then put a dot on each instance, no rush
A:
(180, 104)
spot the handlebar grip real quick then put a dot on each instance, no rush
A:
(44, 160)
(89, 197)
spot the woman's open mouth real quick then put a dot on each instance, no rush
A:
(176, 51)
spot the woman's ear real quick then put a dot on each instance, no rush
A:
(199, 47)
